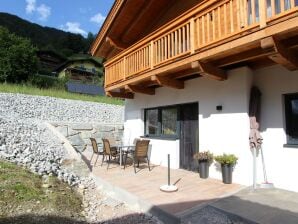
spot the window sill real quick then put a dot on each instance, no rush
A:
(161, 137)
(290, 145)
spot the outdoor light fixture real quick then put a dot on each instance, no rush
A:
(219, 107)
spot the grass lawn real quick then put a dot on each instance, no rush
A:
(30, 90)
(22, 192)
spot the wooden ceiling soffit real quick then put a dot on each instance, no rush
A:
(115, 43)
(139, 89)
(168, 82)
(281, 55)
(122, 95)
(209, 70)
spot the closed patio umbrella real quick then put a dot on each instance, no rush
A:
(255, 138)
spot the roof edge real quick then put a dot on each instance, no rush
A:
(106, 25)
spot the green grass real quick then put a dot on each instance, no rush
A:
(31, 90)
(24, 190)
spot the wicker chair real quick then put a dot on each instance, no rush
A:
(140, 153)
(95, 151)
(108, 151)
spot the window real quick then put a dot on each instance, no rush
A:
(151, 122)
(162, 122)
(169, 121)
(291, 114)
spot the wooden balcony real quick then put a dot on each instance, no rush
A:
(207, 40)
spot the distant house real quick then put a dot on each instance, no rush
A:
(84, 73)
(82, 68)
(50, 60)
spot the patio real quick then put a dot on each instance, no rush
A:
(142, 189)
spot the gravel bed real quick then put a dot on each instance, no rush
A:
(25, 140)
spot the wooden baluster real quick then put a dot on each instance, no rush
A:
(213, 25)
(245, 12)
(238, 7)
(176, 42)
(198, 33)
(208, 27)
(282, 6)
(225, 19)
(219, 22)
(187, 38)
(231, 16)
(273, 8)
(124, 68)
(179, 41)
(172, 44)
(169, 45)
(157, 52)
(263, 12)
(253, 11)
(203, 30)
(192, 36)
(183, 39)
(292, 4)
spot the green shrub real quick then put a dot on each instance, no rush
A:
(226, 159)
(46, 82)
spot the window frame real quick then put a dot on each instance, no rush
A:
(159, 134)
(291, 141)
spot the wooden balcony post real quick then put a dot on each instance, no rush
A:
(192, 35)
(124, 68)
(263, 12)
(151, 54)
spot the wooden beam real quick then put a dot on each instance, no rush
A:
(138, 89)
(281, 55)
(243, 56)
(122, 95)
(208, 70)
(115, 43)
(165, 81)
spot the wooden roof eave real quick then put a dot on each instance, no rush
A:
(101, 36)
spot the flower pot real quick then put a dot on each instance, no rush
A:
(227, 170)
(204, 169)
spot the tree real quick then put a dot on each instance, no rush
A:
(18, 58)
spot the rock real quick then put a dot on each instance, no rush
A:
(76, 140)
(82, 126)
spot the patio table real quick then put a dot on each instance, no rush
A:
(124, 148)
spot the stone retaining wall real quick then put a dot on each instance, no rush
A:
(79, 134)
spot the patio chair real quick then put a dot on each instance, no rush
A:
(108, 151)
(140, 153)
(96, 151)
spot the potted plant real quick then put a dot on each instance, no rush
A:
(227, 161)
(205, 159)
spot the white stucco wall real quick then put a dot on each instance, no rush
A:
(281, 161)
(225, 131)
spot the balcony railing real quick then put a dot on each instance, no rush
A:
(212, 21)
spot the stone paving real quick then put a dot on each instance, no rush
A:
(266, 206)
(143, 187)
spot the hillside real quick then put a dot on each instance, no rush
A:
(46, 38)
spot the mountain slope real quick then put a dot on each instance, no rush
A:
(46, 38)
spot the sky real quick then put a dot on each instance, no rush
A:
(76, 16)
